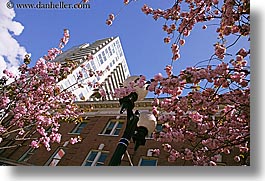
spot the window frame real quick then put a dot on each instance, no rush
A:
(147, 158)
(114, 128)
(53, 157)
(95, 161)
(27, 155)
(77, 127)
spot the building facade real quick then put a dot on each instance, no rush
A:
(101, 130)
(100, 63)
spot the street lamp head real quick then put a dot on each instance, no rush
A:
(146, 124)
(147, 120)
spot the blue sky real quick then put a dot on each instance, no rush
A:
(141, 36)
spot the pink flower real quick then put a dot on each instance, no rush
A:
(4, 101)
(111, 17)
(34, 144)
(167, 147)
(215, 1)
(2, 129)
(171, 158)
(196, 117)
(155, 111)
(108, 22)
(167, 39)
(182, 42)
(220, 50)
(8, 73)
(237, 159)
(102, 93)
(169, 70)
(158, 77)
(155, 102)
(155, 152)
(75, 140)
(242, 52)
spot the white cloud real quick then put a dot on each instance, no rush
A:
(11, 52)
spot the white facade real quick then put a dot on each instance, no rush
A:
(108, 57)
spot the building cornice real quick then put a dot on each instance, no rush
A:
(110, 107)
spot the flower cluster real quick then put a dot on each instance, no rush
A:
(33, 105)
(214, 117)
(234, 20)
(110, 19)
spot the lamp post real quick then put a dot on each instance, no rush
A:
(138, 124)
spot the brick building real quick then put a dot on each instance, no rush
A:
(100, 132)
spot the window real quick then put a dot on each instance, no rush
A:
(66, 84)
(79, 127)
(96, 157)
(113, 127)
(85, 75)
(81, 96)
(88, 66)
(110, 53)
(106, 52)
(125, 68)
(104, 56)
(148, 161)
(100, 59)
(57, 156)
(71, 79)
(113, 48)
(93, 65)
(119, 48)
(97, 61)
(26, 156)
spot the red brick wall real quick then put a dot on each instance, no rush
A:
(91, 139)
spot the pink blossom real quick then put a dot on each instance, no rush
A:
(237, 158)
(155, 152)
(34, 144)
(167, 147)
(4, 101)
(167, 39)
(108, 22)
(171, 158)
(195, 117)
(111, 17)
(158, 77)
(75, 140)
(182, 42)
(2, 129)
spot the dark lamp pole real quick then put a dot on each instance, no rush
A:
(133, 129)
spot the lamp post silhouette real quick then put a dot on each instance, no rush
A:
(138, 124)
